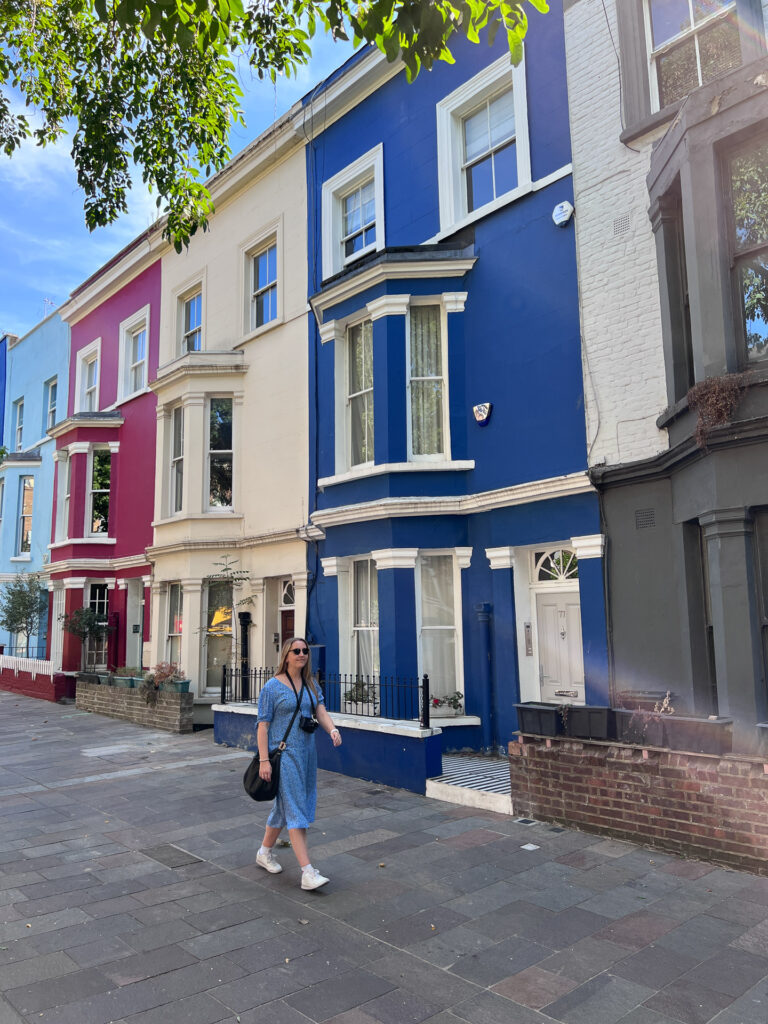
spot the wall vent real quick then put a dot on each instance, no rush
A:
(645, 518)
(620, 225)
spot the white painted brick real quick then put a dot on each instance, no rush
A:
(622, 354)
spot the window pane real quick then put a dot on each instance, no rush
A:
(221, 481)
(505, 168)
(100, 522)
(719, 49)
(704, 8)
(362, 594)
(138, 346)
(178, 432)
(220, 609)
(102, 465)
(221, 424)
(193, 309)
(352, 213)
(753, 283)
(92, 369)
(668, 19)
(175, 602)
(360, 425)
(437, 591)
(749, 174)
(476, 139)
(361, 357)
(368, 200)
(438, 652)
(427, 417)
(272, 263)
(502, 118)
(353, 245)
(480, 184)
(367, 662)
(426, 350)
(677, 72)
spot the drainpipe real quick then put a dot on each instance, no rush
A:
(245, 621)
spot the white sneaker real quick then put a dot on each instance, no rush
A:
(312, 879)
(268, 861)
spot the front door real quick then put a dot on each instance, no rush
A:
(561, 658)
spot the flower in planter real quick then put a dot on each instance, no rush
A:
(164, 672)
(453, 700)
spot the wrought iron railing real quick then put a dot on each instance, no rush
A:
(403, 698)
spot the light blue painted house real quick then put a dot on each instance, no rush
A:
(37, 366)
(454, 528)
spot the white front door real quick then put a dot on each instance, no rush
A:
(561, 658)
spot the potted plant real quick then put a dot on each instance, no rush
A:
(712, 735)
(539, 719)
(127, 675)
(170, 677)
(644, 728)
(452, 703)
(360, 699)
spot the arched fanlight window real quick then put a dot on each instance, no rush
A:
(287, 596)
(558, 566)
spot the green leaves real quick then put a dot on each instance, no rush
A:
(151, 84)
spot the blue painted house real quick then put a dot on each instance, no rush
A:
(35, 399)
(455, 530)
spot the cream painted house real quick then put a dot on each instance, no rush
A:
(231, 469)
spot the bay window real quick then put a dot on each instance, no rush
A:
(98, 502)
(748, 173)
(426, 384)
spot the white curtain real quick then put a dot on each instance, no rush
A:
(438, 623)
(361, 392)
(426, 381)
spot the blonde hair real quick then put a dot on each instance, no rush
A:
(306, 672)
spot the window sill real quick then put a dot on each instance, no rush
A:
(129, 398)
(20, 558)
(501, 202)
(650, 124)
(362, 473)
(257, 332)
(82, 540)
(182, 517)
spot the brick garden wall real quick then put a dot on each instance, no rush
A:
(41, 685)
(713, 808)
(172, 713)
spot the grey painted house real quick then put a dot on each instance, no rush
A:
(684, 182)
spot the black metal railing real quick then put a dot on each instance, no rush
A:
(404, 698)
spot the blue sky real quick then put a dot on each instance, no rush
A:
(47, 250)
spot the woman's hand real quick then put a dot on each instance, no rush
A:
(335, 737)
(265, 769)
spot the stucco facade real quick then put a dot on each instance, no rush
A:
(233, 373)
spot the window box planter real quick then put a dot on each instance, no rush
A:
(175, 686)
(699, 735)
(539, 719)
(123, 681)
(88, 677)
(105, 678)
(642, 700)
(762, 737)
(639, 728)
(590, 722)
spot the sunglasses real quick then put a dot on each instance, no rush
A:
(299, 650)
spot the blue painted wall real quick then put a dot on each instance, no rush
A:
(32, 362)
(516, 345)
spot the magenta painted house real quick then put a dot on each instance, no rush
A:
(105, 461)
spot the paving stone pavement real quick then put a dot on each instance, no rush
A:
(129, 894)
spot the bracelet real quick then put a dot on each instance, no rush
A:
(333, 730)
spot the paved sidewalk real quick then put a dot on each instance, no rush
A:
(128, 892)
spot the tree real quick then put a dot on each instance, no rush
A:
(152, 83)
(84, 623)
(23, 605)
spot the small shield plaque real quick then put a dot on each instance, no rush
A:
(482, 412)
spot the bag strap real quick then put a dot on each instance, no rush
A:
(281, 745)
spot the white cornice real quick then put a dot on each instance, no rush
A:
(332, 566)
(464, 557)
(193, 365)
(334, 330)
(139, 255)
(395, 558)
(79, 423)
(501, 558)
(591, 546)
(396, 508)
(427, 269)
(454, 302)
(388, 305)
(78, 448)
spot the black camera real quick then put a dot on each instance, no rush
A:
(307, 723)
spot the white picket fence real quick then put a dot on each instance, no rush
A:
(35, 666)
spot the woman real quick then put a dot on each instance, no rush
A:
(295, 804)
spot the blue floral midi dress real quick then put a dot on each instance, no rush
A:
(297, 799)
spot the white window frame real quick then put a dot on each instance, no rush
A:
(49, 410)
(85, 356)
(344, 406)
(451, 111)
(269, 244)
(335, 189)
(457, 613)
(268, 235)
(674, 41)
(129, 328)
(184, 334)
(20, 551)
(174, 497)
(354, 629)
(18, 425)
(445, 455)
(227, 509)
(2, 498)
(88, 532)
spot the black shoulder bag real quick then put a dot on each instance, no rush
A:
(263, 789)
